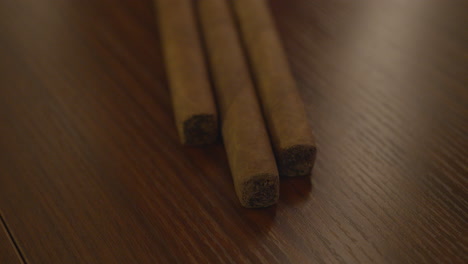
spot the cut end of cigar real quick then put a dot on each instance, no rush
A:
(296, 160)
(200, 130)
(260, 191)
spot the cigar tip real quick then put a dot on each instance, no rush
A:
(297, 160)
(260, 191)
(200, 130)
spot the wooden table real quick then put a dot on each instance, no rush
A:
(91, 170)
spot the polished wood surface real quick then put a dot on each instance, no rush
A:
(91, 170)
(8, 251)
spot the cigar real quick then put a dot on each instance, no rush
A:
(283, 108)
(192, 98)
(245, 136)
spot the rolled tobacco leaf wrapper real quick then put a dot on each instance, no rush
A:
(283, 108)
(245, 136)
(192, 97)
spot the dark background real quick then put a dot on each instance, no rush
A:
(91, 170)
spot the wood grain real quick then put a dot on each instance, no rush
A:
(91, 170)
(8, 252)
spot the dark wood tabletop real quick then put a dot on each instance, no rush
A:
(91, 169)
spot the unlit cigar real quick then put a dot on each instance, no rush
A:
(283, 108)
(192, 97)
(245, 136)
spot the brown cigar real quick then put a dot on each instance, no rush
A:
(283, 108)
(244, 133)
(192, 98)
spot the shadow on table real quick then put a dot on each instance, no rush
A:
(295, 190)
